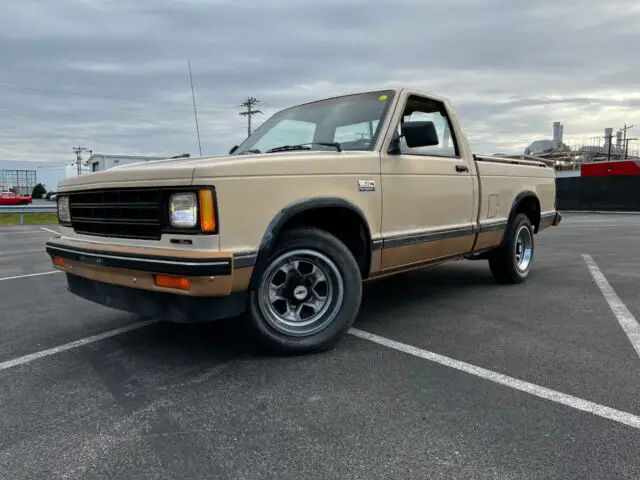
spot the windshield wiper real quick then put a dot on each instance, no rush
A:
(303, 146)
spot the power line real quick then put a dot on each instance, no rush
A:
(78, 151)
(133, 103)
(249, 103)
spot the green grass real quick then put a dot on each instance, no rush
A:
(29, 218)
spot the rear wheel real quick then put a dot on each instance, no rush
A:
(511, 262)
(308, 295)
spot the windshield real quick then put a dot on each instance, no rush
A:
(353, 121)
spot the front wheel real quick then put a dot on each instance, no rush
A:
(308, 295)
(511, 262)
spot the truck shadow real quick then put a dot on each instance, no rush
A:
(387, 296)
(228, 339)
(137, 366)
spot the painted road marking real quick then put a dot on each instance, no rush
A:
(50, 231)
(531, 388)
(78, 343)
(626, 319)
(609, 413)
(30, 275)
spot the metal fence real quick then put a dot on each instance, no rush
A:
(25, 209)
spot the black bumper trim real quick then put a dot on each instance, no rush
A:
(244, 259)
(158, 305)
(146, 263)
(557, 218)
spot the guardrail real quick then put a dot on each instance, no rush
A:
(22, 209)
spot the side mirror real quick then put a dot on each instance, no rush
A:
(233, 149)
(420, 134)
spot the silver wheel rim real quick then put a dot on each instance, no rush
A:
(301, 293)
(523, 248)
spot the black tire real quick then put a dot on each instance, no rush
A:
(503, 261)
(342, 304)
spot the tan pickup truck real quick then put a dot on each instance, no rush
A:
(320, 198)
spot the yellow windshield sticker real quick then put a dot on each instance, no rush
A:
(382, 97)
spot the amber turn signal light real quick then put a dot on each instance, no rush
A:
(58, 261)
(207, 211)
(169, 281)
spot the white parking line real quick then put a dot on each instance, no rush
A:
(30, 275)
(626, 319)
(533, 389)
(50, 231)
(68, 346)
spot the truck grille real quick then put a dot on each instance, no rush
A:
(125, 213)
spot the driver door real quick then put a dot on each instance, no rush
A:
(429, 196)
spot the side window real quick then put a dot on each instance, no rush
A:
(287, 132)
(420, 109)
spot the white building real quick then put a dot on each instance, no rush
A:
(99, 162)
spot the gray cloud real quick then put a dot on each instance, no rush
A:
(112, 75)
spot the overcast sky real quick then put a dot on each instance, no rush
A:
(113, 76)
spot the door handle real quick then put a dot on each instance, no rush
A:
(462, 168)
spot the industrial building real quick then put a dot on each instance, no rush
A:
(568, 159)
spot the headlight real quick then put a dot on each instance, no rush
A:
(64, 214)
(183, 210)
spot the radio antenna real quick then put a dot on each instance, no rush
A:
(195, 112)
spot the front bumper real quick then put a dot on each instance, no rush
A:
(160, 305)
(125, 278)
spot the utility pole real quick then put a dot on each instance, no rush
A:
(249, 103)
(626, 146)
(78, 151)
(624, 139)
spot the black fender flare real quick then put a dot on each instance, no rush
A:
(286, 214)
(524, 195)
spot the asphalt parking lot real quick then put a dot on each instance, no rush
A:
(463, 378)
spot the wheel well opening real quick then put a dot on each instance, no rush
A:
(530, 206)
(342, 222)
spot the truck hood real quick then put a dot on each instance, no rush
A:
(182, 171)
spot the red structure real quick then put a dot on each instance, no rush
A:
(608, 169)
